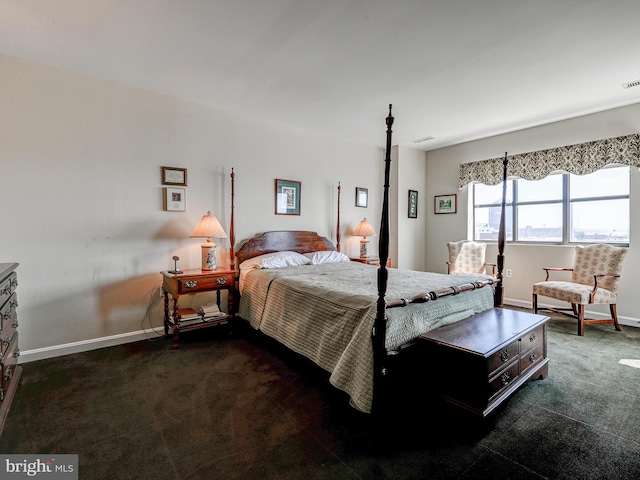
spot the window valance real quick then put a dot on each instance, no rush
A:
(578, 159)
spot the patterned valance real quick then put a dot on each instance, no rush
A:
(578, 159)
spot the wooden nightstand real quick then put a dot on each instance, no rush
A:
(370, 260)
(195, 281)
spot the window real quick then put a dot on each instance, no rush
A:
(561, 208)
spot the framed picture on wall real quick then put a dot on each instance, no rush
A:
(362, 197)
(287, 197)
(445, 203)
(413, 204)
(174, 176)
(175, 199)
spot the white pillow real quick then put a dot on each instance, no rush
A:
(326, 256)
(275, 260)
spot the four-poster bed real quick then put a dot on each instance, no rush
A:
(347, 317)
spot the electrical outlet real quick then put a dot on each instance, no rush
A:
(508, 272)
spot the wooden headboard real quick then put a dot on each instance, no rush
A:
(277, 241)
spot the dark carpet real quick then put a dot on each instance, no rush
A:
(241, 407)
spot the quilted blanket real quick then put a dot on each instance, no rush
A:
(326, 313)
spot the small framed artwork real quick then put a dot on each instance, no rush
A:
(287, 197)
(445, 203)
(175, 199)
(174, 176)
(362, 197)
(413, 204)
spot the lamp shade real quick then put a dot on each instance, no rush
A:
(364, 229)
(208, 227)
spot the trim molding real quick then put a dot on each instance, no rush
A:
(27, 356)
(111, 341)
(628, 321)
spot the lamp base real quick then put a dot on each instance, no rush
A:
(208, 256)
(364, 248)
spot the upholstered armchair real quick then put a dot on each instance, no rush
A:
(468, 257)
(594, 280)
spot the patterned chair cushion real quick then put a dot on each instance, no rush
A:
(589, 261)
(573, 292)
(466, 257)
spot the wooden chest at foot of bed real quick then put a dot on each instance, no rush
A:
(480, 362)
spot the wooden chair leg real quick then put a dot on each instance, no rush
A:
(575, 309)
(534, 303)
(614, 315)
(580, 320)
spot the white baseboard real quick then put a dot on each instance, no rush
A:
(86, 345)
(95, 343)
(629, 321)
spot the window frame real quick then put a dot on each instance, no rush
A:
(566, 202)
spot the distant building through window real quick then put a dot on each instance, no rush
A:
(559, 209)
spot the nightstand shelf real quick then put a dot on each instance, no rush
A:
(195, 281)
(370, 260)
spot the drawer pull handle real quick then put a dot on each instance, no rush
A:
(504, 356)
(532, 337)
(532, 357)
(221, 281)
(190, 283)
(505, 378)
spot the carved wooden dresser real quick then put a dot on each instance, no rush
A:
(9, 352)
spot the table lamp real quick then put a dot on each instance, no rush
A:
(363, 230)
(208, 227)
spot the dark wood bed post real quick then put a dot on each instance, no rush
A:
(379, 332)
(232, 226)
(338, 226)
(498, 299)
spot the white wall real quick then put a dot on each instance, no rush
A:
(526, 261)
(411, 175)
(82, 196)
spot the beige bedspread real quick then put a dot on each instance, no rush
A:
(326, 313)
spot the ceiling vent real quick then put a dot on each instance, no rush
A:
(423, 139)
(635, 83)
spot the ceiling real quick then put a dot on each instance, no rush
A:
(454, 70)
